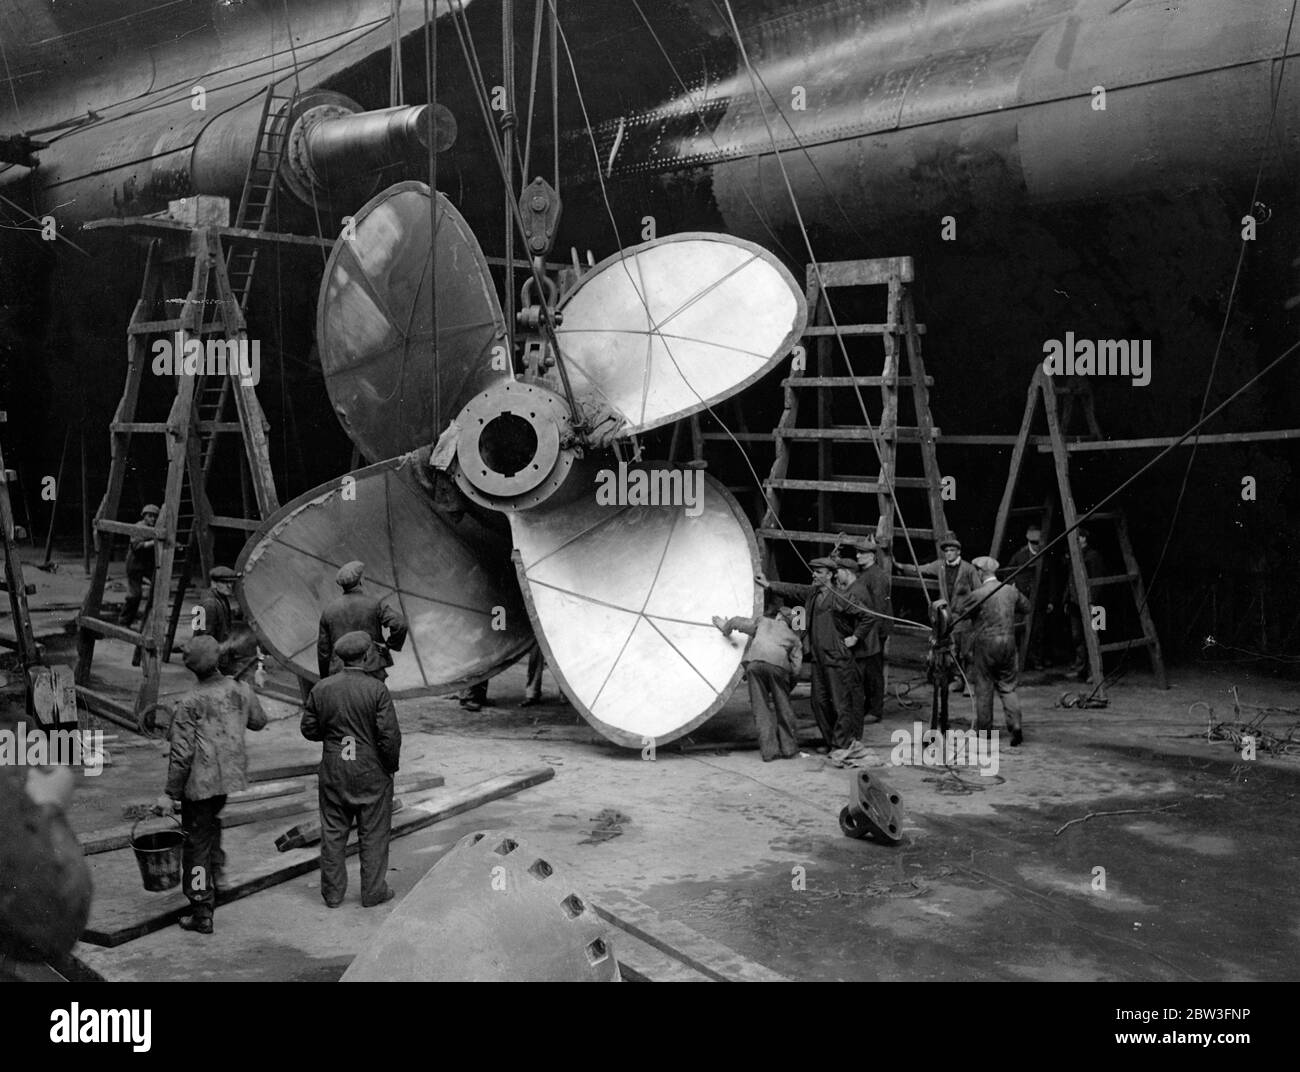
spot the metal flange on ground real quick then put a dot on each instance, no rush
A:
(493, 909)
(874, 811)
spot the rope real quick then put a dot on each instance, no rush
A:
(668, 349)
(1159, 457)
(1218, 347)
(825, 295)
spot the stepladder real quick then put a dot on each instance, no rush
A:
(188, 356)
(1090, 581)
(844, 470)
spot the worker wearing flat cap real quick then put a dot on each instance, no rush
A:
(140, 560)
(207, 764)
(216, 614)
(957, 580)
(871, 589)
(834, 625)
(993, 607)
(352, 714)
(1035, 582)
(356, 610)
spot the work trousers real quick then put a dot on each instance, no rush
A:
(202, 858)
(351, 791)
(994, 663)
(134, 596)
(769, 697)
(837, 700)
(1077, 627)
(872, 670)
(536, 664)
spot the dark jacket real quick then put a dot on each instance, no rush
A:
(1023, 580)
(1093, 566)
(352, 704)
(238, 645)
(140, 556)
(353, 611)
(959, 580)
(207, 735)
(837, 616)
(872, 590)
(44, 880)
(993, 612)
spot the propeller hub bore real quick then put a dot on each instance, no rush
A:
(509, 451)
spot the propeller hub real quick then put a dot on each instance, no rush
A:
(512, 450)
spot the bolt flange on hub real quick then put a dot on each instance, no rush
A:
(514, 449)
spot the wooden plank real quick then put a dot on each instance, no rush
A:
(133, 427)
(1017, 466)
(850, 432)
(112, 925)
(805, 536)
(1153, 442)
(117, 632)
(309, 833)
(739, 437)
(1126, 645)
(241, 812)
(640, 962)
(1043, 444)
(709, 958)
(845, 485)
(984, 440)
(105, 706)
(109, 839)
(245, 524)
(857, 329)
(862, 273)
(289, 770)
(127, 528)
(152, 226)
(849, 381)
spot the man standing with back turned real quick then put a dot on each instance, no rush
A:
(993, 607)
(352, 713)
(356, 609)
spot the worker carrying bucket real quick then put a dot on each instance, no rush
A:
(158, 855)
(207, 763)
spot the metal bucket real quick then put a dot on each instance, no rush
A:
(158, 855)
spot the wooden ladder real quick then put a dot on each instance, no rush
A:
(901, 338)
(25, 640)
(209, 310)
(258, 197)
(1061, 399)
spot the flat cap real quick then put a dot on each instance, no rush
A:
(201, 655)
(950, 541)
(150, 508)
(350, 573)
(850, 564)
(352, 647)
(986, 564)
(822, 563)
(222, 573)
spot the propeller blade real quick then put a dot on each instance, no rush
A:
(668, 328)
(621, 600)
(448, 575)
(375, 330)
